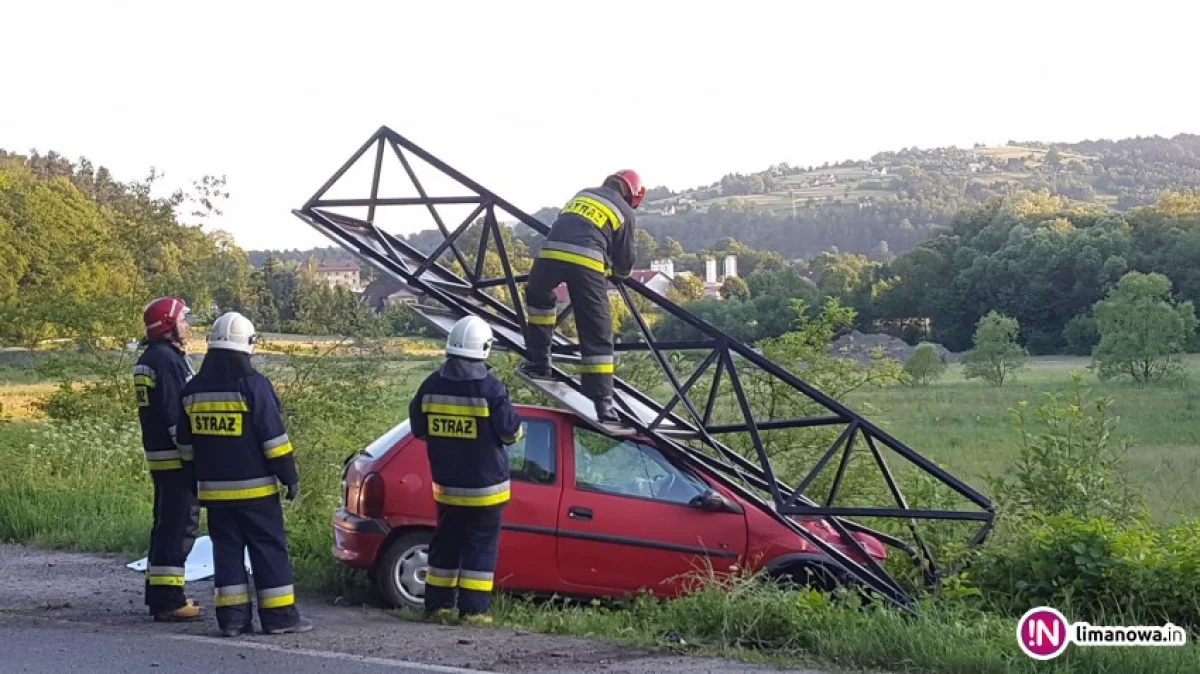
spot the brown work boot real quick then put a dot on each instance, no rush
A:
(186, 613)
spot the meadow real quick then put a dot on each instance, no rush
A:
(73, 478)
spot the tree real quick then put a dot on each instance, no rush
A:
(687, 288)
(925, 365)
(645, 247)
(1143, 333)
(996, 355)
(669, 249)
(735, 288)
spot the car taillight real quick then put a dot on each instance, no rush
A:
(370, 496)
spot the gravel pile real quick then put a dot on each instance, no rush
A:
(860, 346)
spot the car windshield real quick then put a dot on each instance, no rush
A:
(387, 440)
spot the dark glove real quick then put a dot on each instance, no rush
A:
(292, 490)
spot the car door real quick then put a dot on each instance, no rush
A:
(625, 522)
(527, 534)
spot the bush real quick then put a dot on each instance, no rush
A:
(996, 355)
(925, 365)
(1068, 463)
(1082, 334)
(1100, 569)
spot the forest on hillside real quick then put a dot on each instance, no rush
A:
(891, 202)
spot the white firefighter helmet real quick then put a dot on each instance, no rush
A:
(471, 337)
(232, 331)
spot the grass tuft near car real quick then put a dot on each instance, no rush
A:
(591, 517)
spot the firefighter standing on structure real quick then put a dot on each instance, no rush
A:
(464, 415)
(159, 375)
(242, 453)
(591, 238)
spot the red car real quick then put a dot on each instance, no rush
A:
(590, 516)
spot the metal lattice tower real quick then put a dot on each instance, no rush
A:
(691, 431)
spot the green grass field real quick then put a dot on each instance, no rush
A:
(81, 484)
(966, 425)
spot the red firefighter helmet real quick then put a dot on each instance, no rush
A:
(634, 182)
(162, 315)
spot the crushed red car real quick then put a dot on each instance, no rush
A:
(590, 516)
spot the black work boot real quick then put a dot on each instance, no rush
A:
(605, 413)
(536, 369)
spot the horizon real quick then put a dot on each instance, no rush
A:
(287, 98)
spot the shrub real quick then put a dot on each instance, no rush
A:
(996, 355)
(1097, 568)
(925, 365)
(1068, 461)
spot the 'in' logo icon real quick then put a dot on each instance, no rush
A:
(1042, 633)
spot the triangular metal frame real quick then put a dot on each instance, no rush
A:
(463, 294)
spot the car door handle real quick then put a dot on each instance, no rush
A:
(577, 513)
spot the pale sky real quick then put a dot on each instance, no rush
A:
(537, 99)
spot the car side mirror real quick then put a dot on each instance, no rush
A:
(712, 501)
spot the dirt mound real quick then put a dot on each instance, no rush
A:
(861, 346)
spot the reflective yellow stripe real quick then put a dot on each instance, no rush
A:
(279, 451)
(217, 406)
(232, 599)
(541, 320)
(593, 210)
(432, 578)
(235, 494)
(276, 602)
(596, 368)
(440, 495)
(171, 581)
(477, 585)
(232, 595)
(572, 258)
(168, 464)
(458, 410)
(143, 380)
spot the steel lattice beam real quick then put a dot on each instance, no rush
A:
(464, 294)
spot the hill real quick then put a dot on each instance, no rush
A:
(888, 203)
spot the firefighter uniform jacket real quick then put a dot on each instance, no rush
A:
(594, 230)
(463, 414)
(159, 375)
(235, 430)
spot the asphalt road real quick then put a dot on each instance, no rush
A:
(47, 648)
(71, 612)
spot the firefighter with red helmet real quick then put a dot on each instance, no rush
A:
(590, 240)
(158, 377)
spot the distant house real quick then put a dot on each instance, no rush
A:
(384, 292)
(343, 273)
(652, 279)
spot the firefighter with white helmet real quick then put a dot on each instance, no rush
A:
(243, 459)
(463, 413)
(158, 376)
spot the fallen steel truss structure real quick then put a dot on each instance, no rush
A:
(685, 424)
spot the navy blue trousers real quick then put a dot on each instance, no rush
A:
(257, 527)
(462, 558)
(172, 535)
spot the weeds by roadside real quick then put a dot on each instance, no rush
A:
(79, 482)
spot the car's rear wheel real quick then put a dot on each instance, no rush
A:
(401, 572)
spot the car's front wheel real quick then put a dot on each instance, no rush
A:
(401, 572)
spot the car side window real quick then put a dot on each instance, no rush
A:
(533, 458)
(625, 468)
